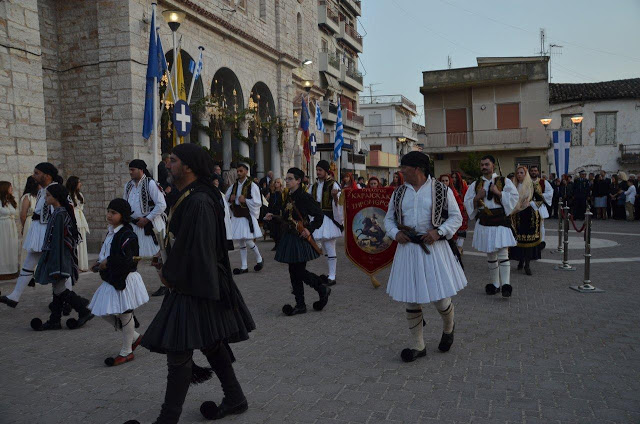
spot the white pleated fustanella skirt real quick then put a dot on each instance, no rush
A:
(146, 244)
(240, 229)
(109, 301)
(327, 231)
(420, 278)
(492, 239)
(35, 237)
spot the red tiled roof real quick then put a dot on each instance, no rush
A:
(606, 90)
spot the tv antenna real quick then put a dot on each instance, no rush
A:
(449, 62)
(370, 87)
(552, 50)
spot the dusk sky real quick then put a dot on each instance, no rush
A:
(600, 39)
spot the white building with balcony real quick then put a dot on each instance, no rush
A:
(493, 108)
(389, 132)
(340, 45)
(609, 136)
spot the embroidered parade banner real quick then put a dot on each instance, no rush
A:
(366, 242)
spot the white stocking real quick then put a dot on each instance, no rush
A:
(494, 274)
(446, 311)
(243, 253)
(26, 274)
(329, 247)
(128, 333)
(252, 245)
(505, 266)
(414, 319)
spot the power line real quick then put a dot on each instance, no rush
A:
(533, 32)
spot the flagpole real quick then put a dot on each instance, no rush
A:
(193, 77)
(156, 102)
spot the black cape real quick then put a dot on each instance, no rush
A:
(204, 306)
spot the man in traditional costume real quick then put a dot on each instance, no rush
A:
(547, 194)
(245, 200)
(326, 192)
(148, 204)
(204, 309)
(45, 175)
(490, 200)
(423, 216)
(299, 216)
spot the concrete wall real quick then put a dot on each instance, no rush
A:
(601, 156)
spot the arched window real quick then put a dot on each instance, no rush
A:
(299, 36)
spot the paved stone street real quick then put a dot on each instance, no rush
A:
(548, 354)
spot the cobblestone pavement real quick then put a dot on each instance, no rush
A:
(546, 355)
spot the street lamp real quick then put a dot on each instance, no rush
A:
(545, 122)
(576, 119)
(307, 84)
(307, 62)
(174, 18)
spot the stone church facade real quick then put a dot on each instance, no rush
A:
(72, 82)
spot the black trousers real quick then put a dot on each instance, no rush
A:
(179, 378)
(299, 275)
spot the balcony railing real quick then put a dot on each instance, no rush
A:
(393, 98)
(352, 119)
(354, 74)
(329, 110)
(516, 136)
(629, 154)
(328, 15)
(353, 33)
(350, 36)
(357, 158)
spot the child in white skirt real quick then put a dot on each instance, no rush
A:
(122, 288)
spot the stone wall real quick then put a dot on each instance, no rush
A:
(22, 117)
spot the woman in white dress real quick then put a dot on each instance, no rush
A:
(74, 185)
(27, 207)
(9, 248)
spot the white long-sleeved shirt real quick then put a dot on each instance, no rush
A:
(256, 198)
(338, 215)
(630, 194)
(508, 201)
(135, 200)
(416, 212)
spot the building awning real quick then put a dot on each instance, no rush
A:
(332, 82)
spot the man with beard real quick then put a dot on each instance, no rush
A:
(490, 200)
(245, 201)
(326, 192)
(204, 309)
(148, 204)
(547, 195)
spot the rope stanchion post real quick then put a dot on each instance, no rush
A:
(560, 233)
(565, 257)
(586, 286)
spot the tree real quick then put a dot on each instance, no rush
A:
(470, 165)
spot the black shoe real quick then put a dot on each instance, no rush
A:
(446, 340)
(410, 355)
(330, 282)
(527, 270)
(259, 266)
(520, 265)
(238, 271)
(10, 303)
(74, 324)
(132, 422)
(490, 289)
(324, 299)
(211, 411)
(289, 310)
(160, 292)
(37, 325)
(506, 290)
(32, 282)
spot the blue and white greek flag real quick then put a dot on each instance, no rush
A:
(339, 140)
(561, 146)
(196, 68)
(319, 123)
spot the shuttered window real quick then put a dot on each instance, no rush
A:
(605, 128)
(528, 161)
(508, 115)
(456, 122)
(576, 132)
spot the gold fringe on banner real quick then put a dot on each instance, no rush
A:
(374, 281)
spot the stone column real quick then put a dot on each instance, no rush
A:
(243, 147)
(203, 137)
(226, 148)
(275, 154)
(260, 156)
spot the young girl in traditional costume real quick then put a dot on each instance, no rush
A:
(122, 288)
(58, 264)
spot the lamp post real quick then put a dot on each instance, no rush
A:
(174, 18)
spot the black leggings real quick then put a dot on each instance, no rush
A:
(299, 275)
